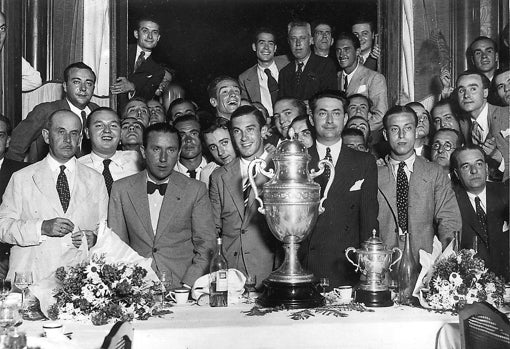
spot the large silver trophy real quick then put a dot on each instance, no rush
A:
(291, 205)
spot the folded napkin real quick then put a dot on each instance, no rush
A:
(236, 281)
(427, 261)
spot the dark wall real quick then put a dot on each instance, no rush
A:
(205, 38)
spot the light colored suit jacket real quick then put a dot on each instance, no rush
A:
(185, 234)
(248, 243)
(432, 207)
(373, 85)
(31, 197)
(249, 80)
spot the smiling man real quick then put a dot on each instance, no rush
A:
(249, 245)
(354, 78)
(309, 73)
(144, 72)
(79, 83)
(224, 96)
(103, 129)
(286, 110)
(364, 29)
(415, 195)
(351, 208)
(483, 208)
(260, 82)
(163, 214)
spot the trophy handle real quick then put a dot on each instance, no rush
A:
(351, 249)
(396, 249)
(314, 174)
(258, 165)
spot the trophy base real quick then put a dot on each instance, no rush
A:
(290, 295)
(374, 298)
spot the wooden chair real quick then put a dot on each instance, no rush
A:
(120, 336)
(483, 327)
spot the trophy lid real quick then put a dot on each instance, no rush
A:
(374, 244)
(291, 147)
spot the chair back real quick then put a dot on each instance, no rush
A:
(483, 326)
(120, 336)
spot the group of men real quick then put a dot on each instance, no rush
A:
(168, 183)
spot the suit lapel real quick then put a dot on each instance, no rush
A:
(469, 218)
(355, 82)
(79, 191)
(140, 201)
(170, 205)
(232, 178)
(43, 180)
(388, 186)
(254, 85)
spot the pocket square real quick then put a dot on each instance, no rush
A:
(505, 133)
(362, 89)
(357, 186)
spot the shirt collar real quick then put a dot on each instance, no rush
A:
(2, 161)
(138, 50)
(55, 165)
(245, 163)
(116, 158)
(409, 163)
(349, 76)
(273, 68)
(77, 110)
(151, 180)
(203, 163)
(482, 196)
(304, 61)
(482, 118)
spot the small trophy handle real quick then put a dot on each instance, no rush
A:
(396, 249)
(351, 249)
(314, 174)
(259, 166)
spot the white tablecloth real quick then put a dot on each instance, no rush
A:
(204, 327)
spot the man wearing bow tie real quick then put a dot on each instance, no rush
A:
(163, 214)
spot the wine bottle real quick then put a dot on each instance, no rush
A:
(407, 274)
(218, 278)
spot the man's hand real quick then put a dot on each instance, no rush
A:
(122, 85)
(57, 227)
(376, 51)
(91, 238)
(77, 238)
(489, 147)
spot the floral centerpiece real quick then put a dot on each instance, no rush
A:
(101, 291)
(461, 278)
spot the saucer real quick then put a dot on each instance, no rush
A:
(344, 301)
(187, 304)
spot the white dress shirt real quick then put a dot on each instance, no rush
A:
(349, 76)
(155, 202)
(265, 95)
(138, 50)
(335, 150)
(482, 120)
(179, 167)
(483, 199)
(408, 169)
(70, 171)
(124, 163)
(78, 111)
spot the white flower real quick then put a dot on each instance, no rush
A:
(87, 292)
(490, 287)
(472, 296)
(455, 279)
(102, 290)
(92, 268)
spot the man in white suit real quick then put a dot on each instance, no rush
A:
(49, 206)
(356, 78)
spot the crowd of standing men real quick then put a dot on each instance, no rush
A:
(169, 179)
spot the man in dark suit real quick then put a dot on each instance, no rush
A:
(144, 73)
(260, 82)
(488, 125)
(484, 209)
(309, 73)
(415, 196)
(351, 207)
(7, 168)
(79, 83)
(163, 214)
(249, 244)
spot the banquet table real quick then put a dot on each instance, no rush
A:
(196, 326)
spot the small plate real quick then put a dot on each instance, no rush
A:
(187, 304)
(344, 301)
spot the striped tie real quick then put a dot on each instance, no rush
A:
(246, 192)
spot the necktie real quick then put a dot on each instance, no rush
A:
(63, 189)
(327, 171)
(346, 83)
(192, 174)
(246, 191)
(272, 85)
(299, 73)
(83, 120)
(482, 219)
(361, 60)
(139, 60)
(476, 133)
(402, 195)
(108, 179)
(151, 188)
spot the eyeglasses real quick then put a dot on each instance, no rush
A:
(446, 147)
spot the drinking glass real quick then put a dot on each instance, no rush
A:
(166, 285)
(5, 288)
(23, 279)
(475, 244)
(249, 285)
(324, 282)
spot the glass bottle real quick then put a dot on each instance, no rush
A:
(218, 278)
(407, 274)
(456, 241)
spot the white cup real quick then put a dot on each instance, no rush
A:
(53, 329)
(506, 296)
(344, 292)
(180, 295)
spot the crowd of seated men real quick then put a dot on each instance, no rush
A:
(169, 176)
